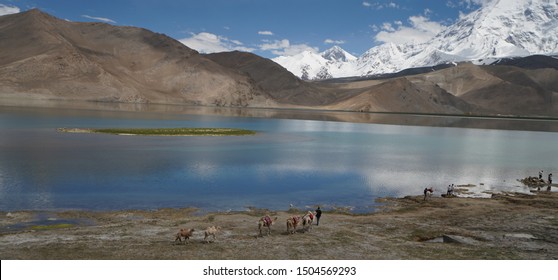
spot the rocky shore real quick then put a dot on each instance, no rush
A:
(506, 226)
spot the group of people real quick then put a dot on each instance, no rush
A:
(449, 193)
(549, 179)
(451, 188)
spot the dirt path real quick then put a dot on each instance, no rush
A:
(513, 226)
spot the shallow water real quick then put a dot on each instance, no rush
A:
(323, 161)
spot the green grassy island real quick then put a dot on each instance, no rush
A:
(164, 131)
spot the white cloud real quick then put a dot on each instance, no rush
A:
(388, 27)
(379, 6)
(265, 32)
(274, 45)
(421, 29)
(205, 42)
(284, 47)
(108, 20)
(473, 3)
(6, 10)
(392, 5)
(335, 42)
(468, 4)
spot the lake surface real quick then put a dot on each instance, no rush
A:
(297, 157)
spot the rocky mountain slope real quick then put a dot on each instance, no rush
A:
(279, 83)
(45, 57)
(465, 88)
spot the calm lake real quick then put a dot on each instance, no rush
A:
(300, 158)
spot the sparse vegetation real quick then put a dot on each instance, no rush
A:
(507, 226)
(164, 131)
(49, 227)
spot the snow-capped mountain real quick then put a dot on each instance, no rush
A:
(337, 54)
(501, 28)
(308, 65)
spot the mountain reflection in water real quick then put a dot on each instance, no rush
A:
(304, 158)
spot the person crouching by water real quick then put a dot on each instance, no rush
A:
(427, 192)
(318, 215)
(450, 190)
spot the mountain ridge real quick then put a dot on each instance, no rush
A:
(500, 29)
(48, 58)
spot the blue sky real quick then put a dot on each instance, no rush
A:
(267, 27)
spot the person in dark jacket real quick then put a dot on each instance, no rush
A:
(318, 215)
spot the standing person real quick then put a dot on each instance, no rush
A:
(549, 181)
(540, 175)
(318, 215)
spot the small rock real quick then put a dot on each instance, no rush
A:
(458, 239)
(519, 235)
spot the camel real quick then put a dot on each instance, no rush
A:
(307, 221)
(292, 223)
(266, 222)
(184, 232)
(211, 231)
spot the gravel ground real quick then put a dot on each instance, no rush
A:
(507, 226)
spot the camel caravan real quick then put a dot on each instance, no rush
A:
(306, 221)
(294, 224)
(186, 233)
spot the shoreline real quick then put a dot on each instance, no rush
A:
(506, 226)
(135, 106)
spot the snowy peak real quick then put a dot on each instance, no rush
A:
(337, 54)
(308, 65)
(501, 28)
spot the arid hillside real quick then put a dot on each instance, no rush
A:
(500, 88)
(45, 57)
(524, 86)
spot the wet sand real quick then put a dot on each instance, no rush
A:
(506, 226)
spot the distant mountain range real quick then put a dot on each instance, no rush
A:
(500, 29)
(43, 57)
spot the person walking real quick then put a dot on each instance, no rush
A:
(318, 215)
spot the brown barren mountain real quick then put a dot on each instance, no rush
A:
(44, 57)
(281, 84)
(48, 58)
(501, 89)
(392, 95)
